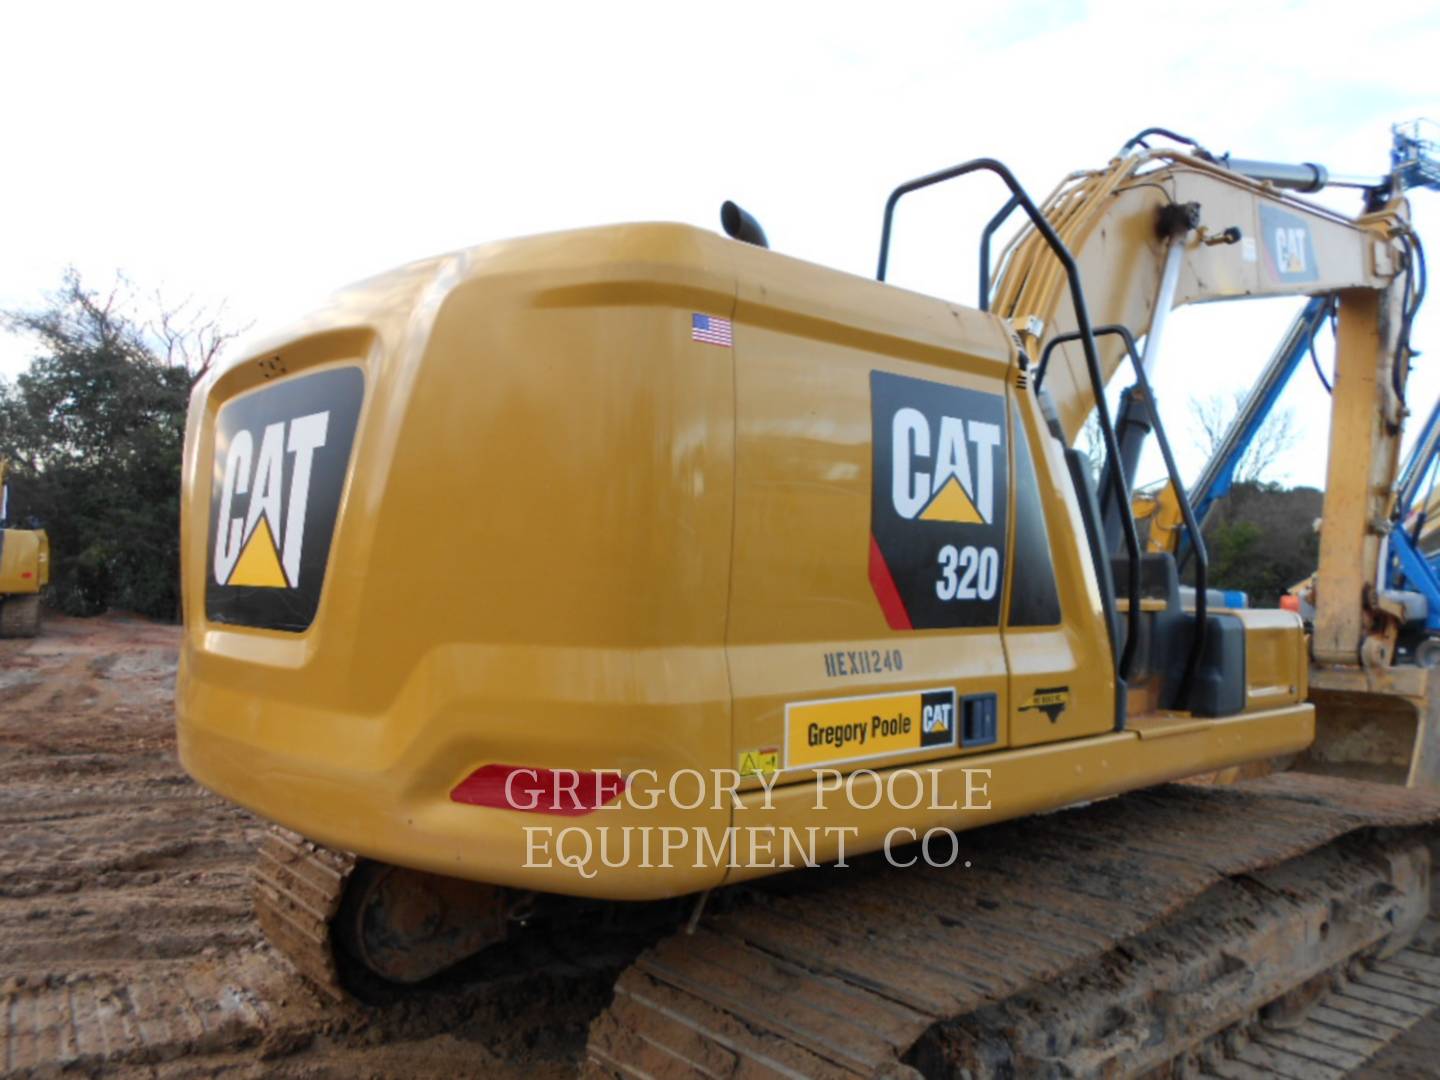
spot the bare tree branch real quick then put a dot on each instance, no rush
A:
(1211, 417)
(189, 335)
(186, 335)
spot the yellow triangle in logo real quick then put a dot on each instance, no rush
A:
(952, 504)
(258, 565)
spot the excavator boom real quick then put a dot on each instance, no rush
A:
(1160, 229)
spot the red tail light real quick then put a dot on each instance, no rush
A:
(562, 792)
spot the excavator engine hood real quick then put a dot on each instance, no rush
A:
(645, 502)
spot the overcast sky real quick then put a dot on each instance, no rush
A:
(264, 154)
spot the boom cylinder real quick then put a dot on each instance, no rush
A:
(1306, 177)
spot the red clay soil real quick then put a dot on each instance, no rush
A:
(127, 940)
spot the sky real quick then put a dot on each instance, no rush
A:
(262, 154)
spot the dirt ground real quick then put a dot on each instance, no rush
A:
(127, 939)
(128, 945)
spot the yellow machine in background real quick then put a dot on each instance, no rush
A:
(24, 572)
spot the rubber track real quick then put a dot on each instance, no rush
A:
(298, 888)
(838, 973)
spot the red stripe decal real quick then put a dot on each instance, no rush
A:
(885, 591)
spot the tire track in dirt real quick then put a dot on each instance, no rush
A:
(127, 937)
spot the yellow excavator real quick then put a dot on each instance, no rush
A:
(566, 567)
(24, 571)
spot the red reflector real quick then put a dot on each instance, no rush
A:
(26, 573)
(563, 792)
(1289, 602)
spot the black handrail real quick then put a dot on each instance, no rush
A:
(1086, 337)
(1120, 494)
(1187, 513)
(985, 235)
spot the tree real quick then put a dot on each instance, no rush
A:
(94, 430)
(1211, 419)
(1262, 540)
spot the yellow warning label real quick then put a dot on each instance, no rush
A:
(760, 762)
(877, 725)
(258, 564)
(952, 504)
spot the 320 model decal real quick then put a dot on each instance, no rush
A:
(938, 501)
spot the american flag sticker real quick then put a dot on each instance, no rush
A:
(711, 329)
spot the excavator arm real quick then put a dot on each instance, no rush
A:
(1158, 229)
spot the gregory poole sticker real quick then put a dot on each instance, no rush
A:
(939, 493)
(281, 455)
(876, 725)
